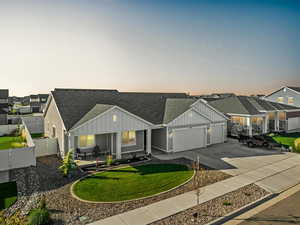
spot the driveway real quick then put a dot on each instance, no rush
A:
(231, 157)
(270, 169)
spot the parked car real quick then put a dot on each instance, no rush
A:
(259, 141)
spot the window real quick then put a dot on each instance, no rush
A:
(85, 141)
(128, 138)
(290, 100)
(114, 118)
(53, 132)
(280, 99)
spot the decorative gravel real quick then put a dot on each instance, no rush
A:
(67, 210)
(215, 208)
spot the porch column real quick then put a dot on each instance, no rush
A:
(118, 146)
(71, 144)
(266, 124)
(148, 148)
(250, 126)
(111, 143)
(277, 121)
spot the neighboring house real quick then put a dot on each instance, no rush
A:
(3, 106)
(131, 123)
(251, 115)
(32, 104)
(286, 95)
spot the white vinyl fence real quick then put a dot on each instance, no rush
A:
(18, 157)
(7, 129)
(35, 124)
(45, 146)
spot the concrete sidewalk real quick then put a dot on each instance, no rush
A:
(275, 177)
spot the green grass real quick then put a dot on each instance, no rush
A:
(11, 142)
(8, 194)
(131, 182)
(37, 135)
(287, 139)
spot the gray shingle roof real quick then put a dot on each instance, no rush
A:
(175, 107)
(97, 110)
(73, 104)
(294, 88)
(232, 105)
(3, 93)
(248, 105)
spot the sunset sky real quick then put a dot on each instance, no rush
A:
(247, 47)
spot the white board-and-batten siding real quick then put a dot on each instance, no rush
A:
(189, 118)
(105, 123)
(208, 112)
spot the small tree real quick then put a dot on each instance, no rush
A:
(198, 179)
(68, 164)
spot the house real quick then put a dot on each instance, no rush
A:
(252, 115)
(126, 123)
(3, 106)
(32, 104)
(286, 95)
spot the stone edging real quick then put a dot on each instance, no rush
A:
(76, 197)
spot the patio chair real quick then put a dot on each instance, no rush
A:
(79, 154)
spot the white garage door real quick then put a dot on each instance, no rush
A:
(189, 138)
(293, 123)
(217, 133)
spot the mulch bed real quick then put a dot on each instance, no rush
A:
(67, 210)
(215, 208)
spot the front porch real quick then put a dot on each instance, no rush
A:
(258, 124)
(248, 125)
(93, 148)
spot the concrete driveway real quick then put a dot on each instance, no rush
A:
(232, 157)
(237, 159)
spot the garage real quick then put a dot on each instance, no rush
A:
(217, 133)
(293, 123)
(293, 120)
(189, 138)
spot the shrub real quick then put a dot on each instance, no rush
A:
(15, 219)
(39, 217)
(297, 145)
(109, 160)
(226, 203)
(68, 164)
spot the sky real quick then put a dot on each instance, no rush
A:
(199, 47)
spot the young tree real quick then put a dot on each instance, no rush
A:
(68, 164)
(198, 180)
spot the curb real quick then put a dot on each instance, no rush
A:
(242, 210)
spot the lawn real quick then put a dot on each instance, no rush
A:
(131, 182)
(287, 139)
(8, 194)
(37, 135)
(8, 142)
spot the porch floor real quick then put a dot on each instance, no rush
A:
(91, 161)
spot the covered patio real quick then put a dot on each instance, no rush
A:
(248, 125)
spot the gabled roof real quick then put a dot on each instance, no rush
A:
(74, 104)
(234, 105)
(94, 112)
(248, 105)
(294, 88)
(175, 107)
(3, 93)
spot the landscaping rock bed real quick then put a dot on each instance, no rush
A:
(65, 209)
(68, 210)
(216, 208)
